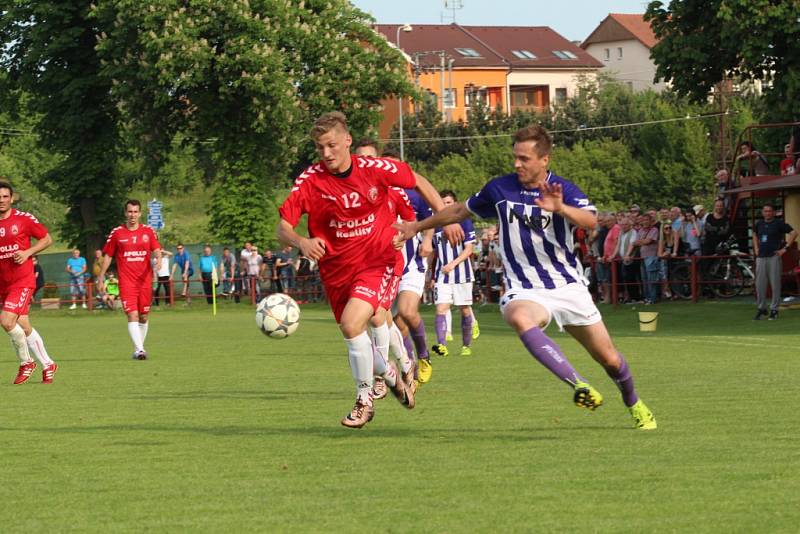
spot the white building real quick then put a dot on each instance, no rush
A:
(622, 42)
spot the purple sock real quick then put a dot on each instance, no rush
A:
(549, 354)
(624, 381)
(420, 340)
(466, 330)
(441, 328)
(409, 345)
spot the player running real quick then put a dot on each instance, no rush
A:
(17, 284)
(454, 276)
(131, 245)
(404, 338)
(350, 236)
(536, 211)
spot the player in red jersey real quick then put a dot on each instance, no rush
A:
(387, 339)
(350, 236)
(130, 245)
(17, 284)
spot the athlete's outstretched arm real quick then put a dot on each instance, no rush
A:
(455, 213)
(454, 233)
(428, 193)
(313, 247)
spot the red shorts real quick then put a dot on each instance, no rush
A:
(136, 298)
(16, 299)
(376, 286)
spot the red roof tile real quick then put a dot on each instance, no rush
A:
(618, 25)
(638, 27)
(494, 44)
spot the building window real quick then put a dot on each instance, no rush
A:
(474, 94)
(450, 98)
(608, 53)
(524, 54)
(534, 98)
(619, 53)
(561, 95)
(564, 54)
(468, 52)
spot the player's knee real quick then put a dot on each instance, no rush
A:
(377, 320)
(523, 320)
(351, 330)
(8, 322)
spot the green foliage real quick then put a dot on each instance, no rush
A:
(247, 76)
(242, 210)
(24, 163)
(704, 41)
(666, 162)
(603, 169)
(50, 55)
(459, 174)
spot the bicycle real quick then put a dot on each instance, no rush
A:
(680, 278)
(729, 276)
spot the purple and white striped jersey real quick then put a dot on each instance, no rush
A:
(537, 245)
(445, 253)
(411, 258)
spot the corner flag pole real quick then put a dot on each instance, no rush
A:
(214, 279)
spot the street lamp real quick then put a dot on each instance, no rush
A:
(405, 28)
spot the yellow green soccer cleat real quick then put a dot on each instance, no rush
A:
(642, 416)
(425, 371)
(476, 330)
(440, 350)
(586, 396)
(448, 337)
(466, 351)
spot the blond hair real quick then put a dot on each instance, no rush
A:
(328, 122)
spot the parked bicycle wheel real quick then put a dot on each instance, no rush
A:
(727, 279)
(680, 280)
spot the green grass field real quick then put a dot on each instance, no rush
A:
(225, 430)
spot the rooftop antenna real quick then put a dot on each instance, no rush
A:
(452, 6)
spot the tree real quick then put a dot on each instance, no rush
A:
(50, 55)
(248, 76)
(703, 41)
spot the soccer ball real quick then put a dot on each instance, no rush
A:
(277, 316)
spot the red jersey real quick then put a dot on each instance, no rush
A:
(351, 215)
(16, 231)
(400, 205)
(131, 250)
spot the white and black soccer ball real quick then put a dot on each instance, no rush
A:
(277, 316)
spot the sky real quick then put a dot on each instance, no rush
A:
(574, 19)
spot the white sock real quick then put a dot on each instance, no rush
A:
(143, 330)
(448, 317)
(136, 335)
(36, 347)
(380, 339)
(17, 335)
(359, 349)
(397, 349)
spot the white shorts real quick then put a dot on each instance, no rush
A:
(570, 305)
(413, 281)
(456, 294)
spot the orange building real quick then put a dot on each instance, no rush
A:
(514, 68)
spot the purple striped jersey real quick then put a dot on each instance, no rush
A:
(411, 258)
(445, 253)
(537, 245)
